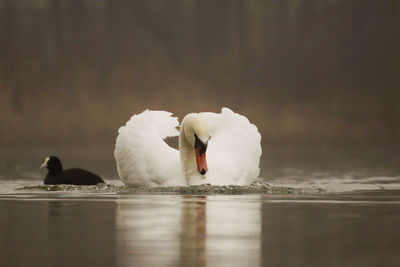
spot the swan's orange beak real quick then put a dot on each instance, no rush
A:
(201, 161)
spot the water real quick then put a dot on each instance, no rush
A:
(355, 222)
(173, 230)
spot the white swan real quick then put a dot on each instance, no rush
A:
(214, 148)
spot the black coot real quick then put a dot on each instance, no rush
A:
(75, 176)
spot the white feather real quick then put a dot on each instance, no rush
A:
(234, 150)
(144, 159)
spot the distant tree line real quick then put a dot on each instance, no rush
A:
(302, 51)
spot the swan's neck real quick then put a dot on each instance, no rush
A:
(188, 158)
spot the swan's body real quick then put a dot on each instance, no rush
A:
(230, 141)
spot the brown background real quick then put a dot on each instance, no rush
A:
(301, 70)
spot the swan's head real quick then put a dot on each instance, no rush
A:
(196, 133)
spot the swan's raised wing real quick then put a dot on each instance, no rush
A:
(142, 156)
(234, 150)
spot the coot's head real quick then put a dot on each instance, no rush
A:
(52, 163)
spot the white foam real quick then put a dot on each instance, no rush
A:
(328, 185)
(337, 185)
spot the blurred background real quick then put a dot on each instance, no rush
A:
(319, 78)
(73, 71)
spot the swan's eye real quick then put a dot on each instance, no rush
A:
(200, 144)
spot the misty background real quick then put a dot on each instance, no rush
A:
(302, 70)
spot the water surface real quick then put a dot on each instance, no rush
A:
(171, 230)
(354, 222)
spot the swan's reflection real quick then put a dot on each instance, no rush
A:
(194, 231)
(233, 231)
(148, 229)
(189, 230)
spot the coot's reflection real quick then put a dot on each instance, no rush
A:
(52, 231)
